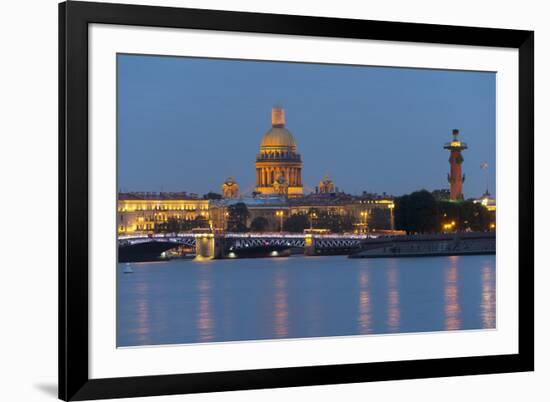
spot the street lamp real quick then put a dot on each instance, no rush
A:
(365, 215)
(392, 222)
(449, 226)
(225, 216)
(280, 214)
(312, 215)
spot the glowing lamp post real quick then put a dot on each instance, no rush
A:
(312, 216)
(280, 214)
(365, 216)
(392, 222)
(225, 216)
(448, 227)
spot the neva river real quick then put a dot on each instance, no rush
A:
(184, 301)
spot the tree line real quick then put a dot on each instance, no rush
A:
(173, 225)
(237, 216)
(314, 218)
(421, 212)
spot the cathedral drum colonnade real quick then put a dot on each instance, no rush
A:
(278, 165)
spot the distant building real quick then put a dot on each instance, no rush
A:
(262, 206)
(367, 213)
(488, 201)
(279, 165)
(143, 212)
(442, 194)
(230, 188)
(326, 185)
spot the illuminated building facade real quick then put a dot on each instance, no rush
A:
(230, 188)
(370, 213)
(455, 177)
(489, 202)
(366, 213)
(279, 165)
(140, 212)
(326, 185)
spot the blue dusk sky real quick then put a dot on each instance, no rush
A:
(185, 124)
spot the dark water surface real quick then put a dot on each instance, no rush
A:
(184, 301)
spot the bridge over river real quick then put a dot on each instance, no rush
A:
(237, 245)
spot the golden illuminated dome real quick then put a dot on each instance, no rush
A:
(278, 136)
(279, 165)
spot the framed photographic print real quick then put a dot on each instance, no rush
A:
(257, 200)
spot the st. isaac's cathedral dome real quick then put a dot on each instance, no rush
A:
(278, 161)
(278, 136)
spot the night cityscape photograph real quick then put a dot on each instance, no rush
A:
(264, 200)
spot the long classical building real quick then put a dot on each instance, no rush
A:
(144, 212)
(147, 213)
(369, 213)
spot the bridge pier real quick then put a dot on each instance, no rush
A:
(208, 246)
(309, 244)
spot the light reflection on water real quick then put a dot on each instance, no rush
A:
(364, 318)
(394, 313)
(142, 328)
(281, 306)
(205, 323)
(182, 301)
(488, 316)
(452, 306)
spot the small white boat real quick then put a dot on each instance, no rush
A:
(128, 269)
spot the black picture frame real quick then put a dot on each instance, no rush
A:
(74, 381)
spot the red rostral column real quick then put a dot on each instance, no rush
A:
(456, 178)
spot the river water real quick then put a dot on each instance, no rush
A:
(186, 301)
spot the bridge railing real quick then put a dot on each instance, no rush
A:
(262, 235)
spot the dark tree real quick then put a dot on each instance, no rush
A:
(417, 213)
(442, 194)
(401, 213)
(238, 214)
(420, 212)
(259, 224)
(424, 211)
(334, 221)
(467, 215)
(449, 211)
(296, 223)
(200, 222)
(475, 217)
(380, 218)
(174, 225)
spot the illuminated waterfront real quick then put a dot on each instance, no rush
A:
(184, 301)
